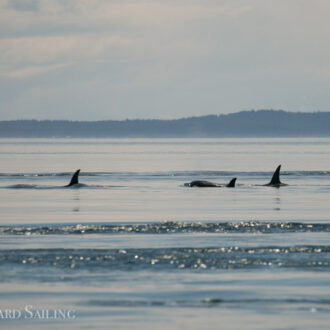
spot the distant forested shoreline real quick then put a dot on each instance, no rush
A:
(261, 123)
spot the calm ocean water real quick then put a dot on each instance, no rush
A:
(133, 247)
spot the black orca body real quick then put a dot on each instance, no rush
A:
(74, 179)
(204, 184)
(275, 181)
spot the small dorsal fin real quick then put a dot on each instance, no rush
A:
(231, 184)
(74, 179)
(276, 177)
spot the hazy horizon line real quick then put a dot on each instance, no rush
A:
(172, 119)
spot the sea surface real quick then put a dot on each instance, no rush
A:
(132, 247)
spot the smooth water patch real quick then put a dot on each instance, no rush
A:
(241, 299)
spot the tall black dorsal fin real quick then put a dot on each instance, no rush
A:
(276, 177)
(231, 184)
(74, 179)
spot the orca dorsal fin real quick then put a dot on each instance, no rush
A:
(74, 179)
(276, 177)
(231, 184)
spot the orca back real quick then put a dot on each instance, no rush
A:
(199, 183)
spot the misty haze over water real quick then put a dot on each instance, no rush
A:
(262, 123)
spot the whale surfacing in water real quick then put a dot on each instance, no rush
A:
(74, 179)
(204, 184)
(275, 181)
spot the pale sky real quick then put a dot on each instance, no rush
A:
(118, 59)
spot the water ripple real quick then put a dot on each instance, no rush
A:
(170, 227)
(233, 257)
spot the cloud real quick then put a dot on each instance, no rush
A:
(64, 32)
(34, 71)
(58, 50)
(23, 5)
(162, 58)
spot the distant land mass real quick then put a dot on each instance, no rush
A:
(261, 123)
